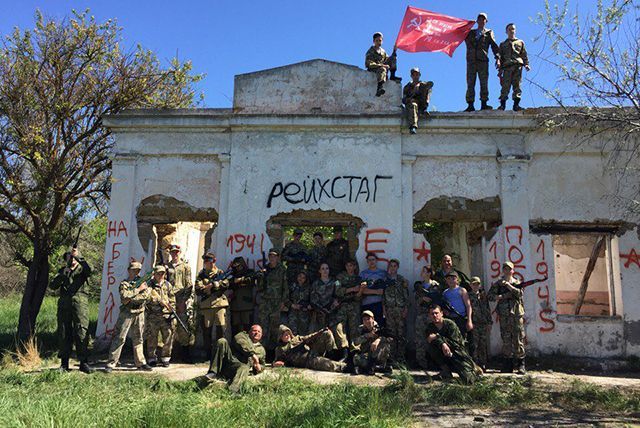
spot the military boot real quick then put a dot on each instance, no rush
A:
(86, 368)
(521, 368)
(445, 373)
(393, 76)
(485, 106)
(64, 365)
(343, 355)
(470, 107)
(516, 105)
(503, 105)
(507, 366)
(380, 90)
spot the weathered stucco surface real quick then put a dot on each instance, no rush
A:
(298, 140)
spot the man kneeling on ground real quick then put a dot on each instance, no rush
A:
(446, 347)
(306, 352)
(371, 347)
(235, 362)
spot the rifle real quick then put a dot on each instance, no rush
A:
(300, 346)
(265, 262)
(379, 284)
(436, 299)
(299, 257)
(141, 279)
(174, 314)
(526, 284)
(74, 247)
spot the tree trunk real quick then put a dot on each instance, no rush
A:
(34, 291)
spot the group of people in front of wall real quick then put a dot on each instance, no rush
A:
(306, 307)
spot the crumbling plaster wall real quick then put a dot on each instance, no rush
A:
(271, 171)
(146, 164)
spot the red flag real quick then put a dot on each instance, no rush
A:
(424, 31)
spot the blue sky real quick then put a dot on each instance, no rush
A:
(225, 38)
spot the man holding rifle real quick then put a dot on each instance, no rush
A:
(160, 317)
(134, 293)
(306, 351)
(507, 291)
(73, 309)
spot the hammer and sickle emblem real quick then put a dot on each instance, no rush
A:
(415, 23)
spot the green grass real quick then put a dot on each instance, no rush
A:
(70, 399)
(50, 398)
(46, 323)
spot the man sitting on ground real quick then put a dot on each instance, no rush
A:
(447, 348)
(372, 349)
(235, 363)
(307, 351)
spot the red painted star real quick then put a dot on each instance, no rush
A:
(632, 257)
(422, 252)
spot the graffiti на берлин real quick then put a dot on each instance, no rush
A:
(353, 188)
(116, 231)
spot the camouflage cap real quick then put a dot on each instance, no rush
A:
(367, 314)
(135, 265)
(298, 231)
(159, 269)
(452, 273)
(475, 279)
(209, 256)
(174, 247)
(283, 329)
(508, 264)
(484, 15)
(415, 70)
(274, 251)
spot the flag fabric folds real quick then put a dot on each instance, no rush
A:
(424, 31)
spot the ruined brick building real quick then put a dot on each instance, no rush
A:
(298, 149)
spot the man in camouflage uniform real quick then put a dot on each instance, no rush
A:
(425, 291)
(242, 285)
(73, 310)
(510, 310)
(295, 255)
(179, 276)
(415, 97)
(370, 347)
(513, 56)
(395, 303)
(446, 267)
(349, 296)
(237, 361)
(274, 298)
(133, 297)
(478, 42)
(317, 255)
(337, 253)
(448, 349)
(306, 352)
(159, 317)
(325, 309)
(481, 323)
(377, 61)
(299, 311)
(211, 289)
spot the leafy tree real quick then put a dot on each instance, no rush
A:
(57, 82)
(597, 59)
